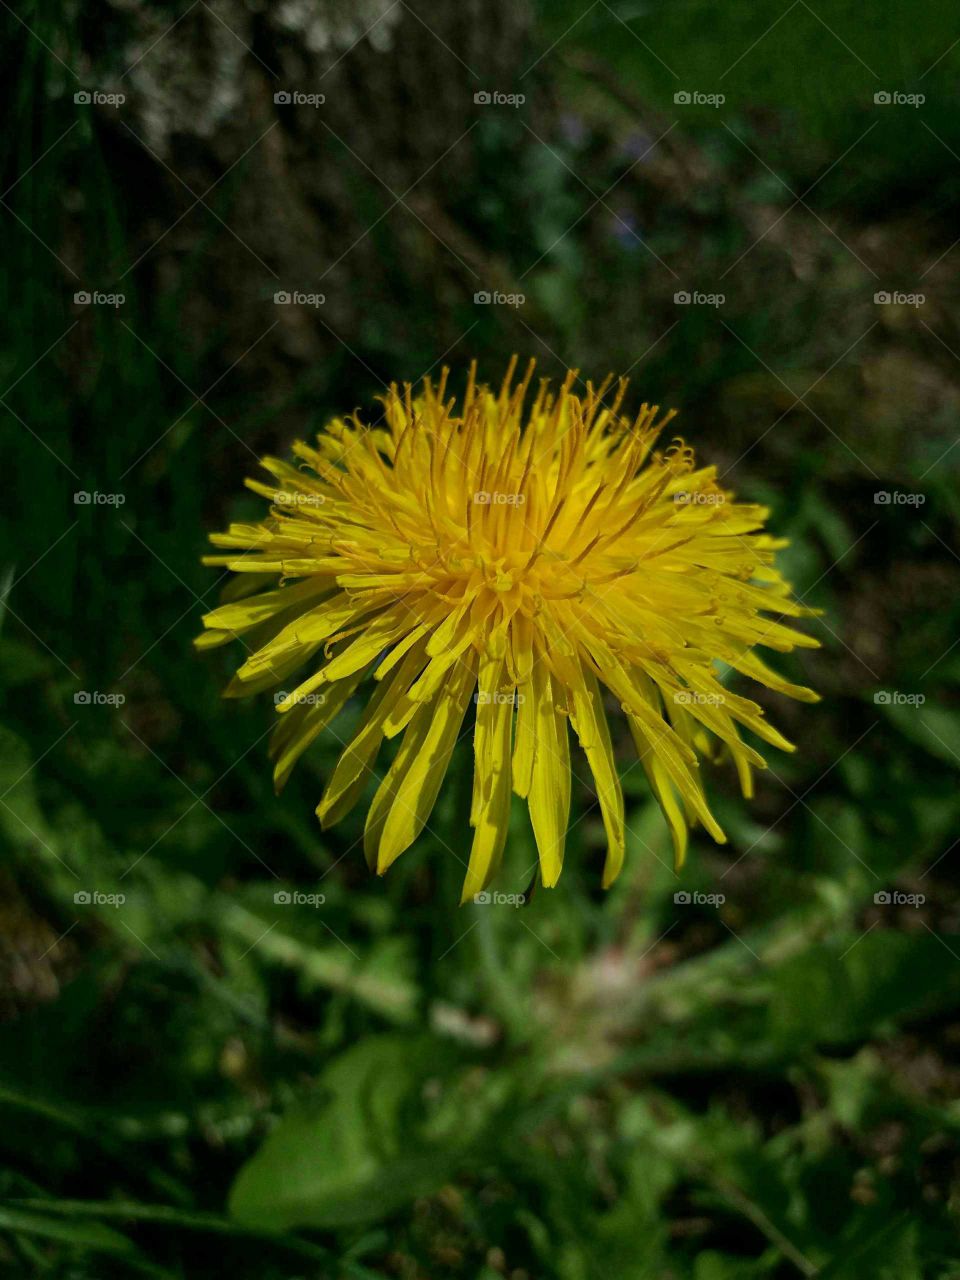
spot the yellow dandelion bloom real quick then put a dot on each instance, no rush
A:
(525, 560)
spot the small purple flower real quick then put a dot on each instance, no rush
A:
(624, 228)
(573, 128)
(636, 145)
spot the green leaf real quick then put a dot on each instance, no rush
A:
(723, 1266)
(935, 729)
(368, 1144)
(89, 1235)
(879, 1247)
(835, 997)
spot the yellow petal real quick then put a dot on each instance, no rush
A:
(301, 726)
(491, 745)
(367, 646)
(271, 675)
(526, 740)
(406, 796)
(549, 798)
(311, 628)
(665, 743)
(665, 795)
(354, 768)
(590, 722)
(244, 614)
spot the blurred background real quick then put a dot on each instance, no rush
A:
(225, 1048)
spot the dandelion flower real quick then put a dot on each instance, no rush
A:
(528, 551)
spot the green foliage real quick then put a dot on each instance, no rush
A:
(381, 1143)
(205, 1079)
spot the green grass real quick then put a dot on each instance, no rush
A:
(201, 1081)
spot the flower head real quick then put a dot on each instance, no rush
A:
(527, 551)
